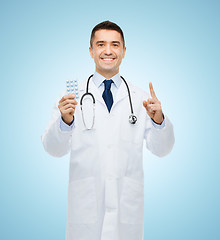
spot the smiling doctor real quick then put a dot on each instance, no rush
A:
(106, 177)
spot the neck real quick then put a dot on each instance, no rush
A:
(107, 75)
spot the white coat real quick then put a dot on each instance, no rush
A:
(106, 177)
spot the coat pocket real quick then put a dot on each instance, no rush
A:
(82, 201)
(132, 202)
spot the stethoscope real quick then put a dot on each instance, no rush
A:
(132, 118)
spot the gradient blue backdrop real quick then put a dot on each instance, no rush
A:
(174, 44)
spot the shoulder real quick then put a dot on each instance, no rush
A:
(82, 83)
(137, 90)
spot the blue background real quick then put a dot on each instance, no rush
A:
(174, 44)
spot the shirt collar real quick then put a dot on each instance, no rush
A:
(98, 79)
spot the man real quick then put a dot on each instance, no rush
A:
(106, 178)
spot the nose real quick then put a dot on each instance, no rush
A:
(108, 50)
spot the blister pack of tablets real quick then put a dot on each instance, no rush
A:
(72, 87)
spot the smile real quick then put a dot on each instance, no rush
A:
(108, 59)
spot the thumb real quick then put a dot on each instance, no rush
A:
(145, 104)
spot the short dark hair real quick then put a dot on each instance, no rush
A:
(108, 26)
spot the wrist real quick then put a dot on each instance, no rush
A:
(158, 122)
(67, 122)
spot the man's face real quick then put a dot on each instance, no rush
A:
(107, 51)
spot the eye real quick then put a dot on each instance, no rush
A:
(115, 45)
(100, 44)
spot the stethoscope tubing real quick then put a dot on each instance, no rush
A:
(132, 117)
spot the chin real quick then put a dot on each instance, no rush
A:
(109, 69)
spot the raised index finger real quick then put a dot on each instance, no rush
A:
(152, 93)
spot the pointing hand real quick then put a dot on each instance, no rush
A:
(153, 106)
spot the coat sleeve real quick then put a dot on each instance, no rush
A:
(159, 141)
(56, 142)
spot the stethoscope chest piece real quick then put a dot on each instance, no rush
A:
(132, 119)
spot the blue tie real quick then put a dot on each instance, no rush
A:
(107, 94)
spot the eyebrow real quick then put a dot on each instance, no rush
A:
(105, 41)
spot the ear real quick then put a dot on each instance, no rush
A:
(124, 50)
(91, 52)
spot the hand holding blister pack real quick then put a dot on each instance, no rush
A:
(72, 88)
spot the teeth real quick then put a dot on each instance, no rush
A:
(108, 59)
